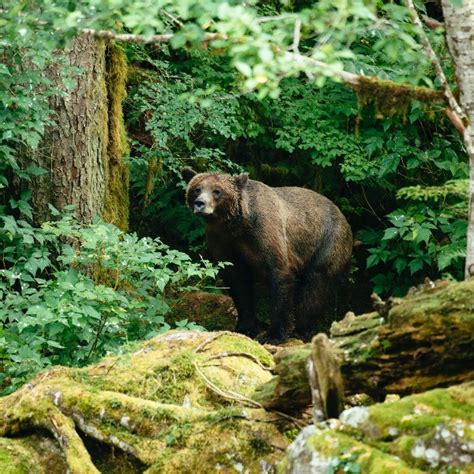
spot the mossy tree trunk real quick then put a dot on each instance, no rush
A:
(82, 152)
(459, 21)
(424, 341)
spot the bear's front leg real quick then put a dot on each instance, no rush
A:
(240, 282)
(282, 286)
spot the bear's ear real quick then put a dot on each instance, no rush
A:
(241, 180)
(188, 173)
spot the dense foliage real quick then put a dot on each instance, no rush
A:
(71, 292)
(387, 173)
(247, 100)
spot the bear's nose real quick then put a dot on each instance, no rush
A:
(199, 205)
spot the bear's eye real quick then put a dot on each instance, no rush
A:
(216, 193)
(197, 191)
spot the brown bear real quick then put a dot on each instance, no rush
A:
(293, 239)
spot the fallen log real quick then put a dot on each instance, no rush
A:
(410, 345)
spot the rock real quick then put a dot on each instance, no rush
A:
(419, 433)
(212, 311)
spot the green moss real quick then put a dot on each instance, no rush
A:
(427, 432)
(291, 376)
(16, 459)
(119, 403)
(231, 343)
(396, 427)
(291, 435)
(390, 98)
(174, 379)
(116, 197)
(224, 414)
(447, 300)
(259, 446)
(371, 460)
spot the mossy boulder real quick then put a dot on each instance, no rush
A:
(177, 403)
(427, 432)
(212, 311)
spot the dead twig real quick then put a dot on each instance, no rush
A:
(230, 395)
(205, 343)
(296, 37)
(240, 354)
(225, 394)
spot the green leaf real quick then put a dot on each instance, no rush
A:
(372, 260)
(54, 344)
(424, 235)
(35, 171)
(390, 233)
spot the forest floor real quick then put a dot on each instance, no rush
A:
(191, 401)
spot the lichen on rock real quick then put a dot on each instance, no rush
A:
(431, 431)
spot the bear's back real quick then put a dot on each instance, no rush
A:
(306, 219)
(297, 204)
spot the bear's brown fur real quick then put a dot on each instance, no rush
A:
(294, 239)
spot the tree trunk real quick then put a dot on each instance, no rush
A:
(83, 150)
(426, 340)
(459, 21)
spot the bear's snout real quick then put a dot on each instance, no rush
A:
(199, 205)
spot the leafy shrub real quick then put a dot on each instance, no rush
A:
(175, 121)
(71, 292)
(427, 237)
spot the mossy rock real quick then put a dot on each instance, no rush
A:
(177, 403)
(427, 432)
(212, 311)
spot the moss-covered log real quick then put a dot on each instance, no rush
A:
(420, 342)
(428, 432)
(178, 403)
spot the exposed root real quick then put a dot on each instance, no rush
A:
(157, 408)
(77, 456)
(230, 395)
(205, 343)
(240, 354)
(225, 394)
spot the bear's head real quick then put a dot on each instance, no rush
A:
(214, 196)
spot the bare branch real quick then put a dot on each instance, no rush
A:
(434, 61)
(266, 19)
(431, 23)
(131, 38)
(358, 82)
(173, 18)
(455, 120)
(296, 36)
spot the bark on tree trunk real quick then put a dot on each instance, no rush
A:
(459, 22)
(425, 340)
(82, 151)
